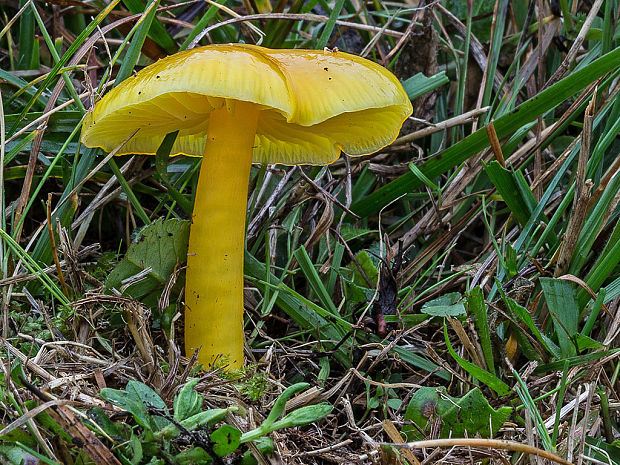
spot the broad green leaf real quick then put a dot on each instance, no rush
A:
(467, 416)
(138, 399)
(146, 395)
(130, 403)
(162, 246)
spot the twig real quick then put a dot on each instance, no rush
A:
(455, 121)
(292, 17)
(475, 442)
(310, 453)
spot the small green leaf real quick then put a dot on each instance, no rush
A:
(187, 402)
(419, 84)
(226, 439)
(394, 403)
(446, 305)
(372, 273)
(478, 309)
(192, 456)
(130, 403)
(98, 415)
(136, 447)
(586, 342)
(12, 455)
(562, 302)
(280, 403)
(194, 422)
(146, 395)
(303, 416)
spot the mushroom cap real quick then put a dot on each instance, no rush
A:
(313, 103)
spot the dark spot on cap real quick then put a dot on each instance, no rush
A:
(139, 92)
(157, 76)
(326, 68)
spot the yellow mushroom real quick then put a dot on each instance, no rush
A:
(234, 105)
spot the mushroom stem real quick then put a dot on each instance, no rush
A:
(214, 278)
